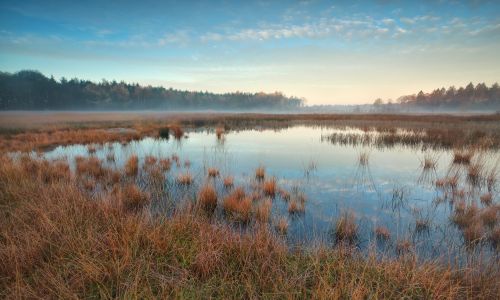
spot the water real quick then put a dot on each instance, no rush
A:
(388, 191)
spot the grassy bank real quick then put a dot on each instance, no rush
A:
(58, 241)
(26, 131)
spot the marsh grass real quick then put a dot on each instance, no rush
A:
(346, 228)
(282, 225)
(133, 198)
(132, 166)
(382, 233)
(260, 173)
(238, 206)
(207, 198)
(177, 131)
(228, 182)
(213, 172)
(219, 132)
(185, 179)
(58, 241)
(269, 187)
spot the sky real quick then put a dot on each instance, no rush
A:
(328, 52)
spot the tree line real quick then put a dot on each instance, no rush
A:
(31, 90)
(470, 97)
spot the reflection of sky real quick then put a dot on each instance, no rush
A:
(336, 185)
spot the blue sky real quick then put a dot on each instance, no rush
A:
(330, 52)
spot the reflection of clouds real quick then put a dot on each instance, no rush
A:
(282, 153)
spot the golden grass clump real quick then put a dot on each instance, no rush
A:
(282, 225)
(149, 161)
(464, 215)
(295, 206)
(90, 166)
(238, 206)
(91, 149)
(177, 131)
(184, 179)
(213, 172)
(489, 216)
(165, 164)
(486, 199)
(462, 157)
(132, 166)
(219, 132)
(403, 247)
(441, 183)
(228, 182)
(284, 194)
(473, 233)
(207, 198)
(269, 187)
(133, 198)
(474, 173)
(421, 224)
(382, 233)
(260, 173)
(263, 210)
(346, 229)
(494, 237)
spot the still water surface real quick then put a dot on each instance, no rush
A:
(391, 190)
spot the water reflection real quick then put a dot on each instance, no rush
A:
(393, 188)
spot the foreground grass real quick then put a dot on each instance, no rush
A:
(57, 242)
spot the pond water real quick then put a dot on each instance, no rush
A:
(391, 189)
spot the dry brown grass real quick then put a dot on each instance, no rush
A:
(263, 210)
(132, 166)
(382, 233)
(269, 187)
(177, 131)
(90, 166)
(238, 206)
(464, 215)
(486, 199)
(346, 229)
(26, 131)
(207, 198)
(403, 246)
(296, 207)
(184, 179)
(165, 164)
(228, 182)
(219, 132)
(133, 198)
(489, 216)
(282, 225)
(58, 242)
(462, 157)
(213, 172)
(260, 173)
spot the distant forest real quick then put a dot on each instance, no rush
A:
(479, 97)
(31, 90)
